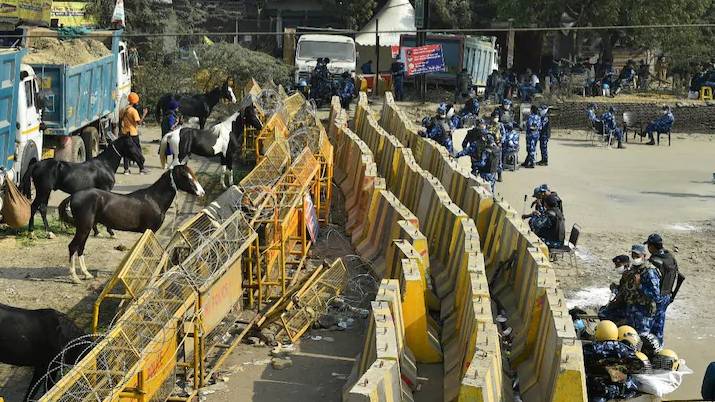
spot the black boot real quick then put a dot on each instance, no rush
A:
(620, 145)
(499, 177)
(652, 142)
(543, 162)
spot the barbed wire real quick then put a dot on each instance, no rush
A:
(397, 31)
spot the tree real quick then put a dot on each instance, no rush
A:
(548, 13)
(450, 14)
(353, 13)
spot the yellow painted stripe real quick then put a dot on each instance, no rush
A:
(30, 130)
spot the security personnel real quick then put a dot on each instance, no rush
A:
(615, 310)
(596, 122)
(475, 133)
(662, 124)
(509, 142)
(642, 292)
(504, 112)
(664, 261)
(540, 194)
(533, 130)
(398, 75)
(550, 225)
(485, 155)
(544, 135)
(347, 91)
(441, 131)
(611, 126)
(470, 109)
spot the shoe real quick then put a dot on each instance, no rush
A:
(621, 146)
(652, 142)
(543, 162)
(530, 165)
(127, 172)
(525, 163)
(144, 171)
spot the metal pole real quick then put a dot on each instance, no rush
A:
(376, 82)
(423, 41)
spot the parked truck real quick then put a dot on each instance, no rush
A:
(339, 49)
(477, 54)
(79, 101)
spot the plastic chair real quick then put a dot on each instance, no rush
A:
(706, 93)
(568, 248)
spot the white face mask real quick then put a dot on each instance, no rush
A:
(621, 270)
(665, 112)
(638, 261)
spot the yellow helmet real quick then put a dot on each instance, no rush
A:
(606, 331)
(666, 359)
(645, 362)
(632, 340)
(625, 329)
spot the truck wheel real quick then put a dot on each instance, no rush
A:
(79, 153)
(90, 138)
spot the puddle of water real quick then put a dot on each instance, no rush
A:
(589, 297)
(682, 227)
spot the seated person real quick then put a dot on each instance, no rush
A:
(611, 126)
(662, 124)
(615, 309)
(550, 225)
(510, 140)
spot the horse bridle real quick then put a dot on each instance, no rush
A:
(115, 149)
(171, 177)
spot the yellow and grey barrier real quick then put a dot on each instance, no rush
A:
(546, 353)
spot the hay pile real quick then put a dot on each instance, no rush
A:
(72, 52)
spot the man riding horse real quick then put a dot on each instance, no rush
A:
(196, 105)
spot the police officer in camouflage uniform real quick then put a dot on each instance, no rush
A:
(615, 310)
(533, 130)
(550, 224)
(504, 112)
(544, 135)
(485, 155)
(441, 130)
(611, 126)
(664, 261)
(642, 292)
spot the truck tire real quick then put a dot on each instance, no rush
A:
(90, 138)
(79, 154)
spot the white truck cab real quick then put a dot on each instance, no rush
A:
(338, 48)
(28, 138)
(124, 81)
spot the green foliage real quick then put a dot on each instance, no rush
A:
(217, 62)
(450, 14)
(353, 13)
(680, 45)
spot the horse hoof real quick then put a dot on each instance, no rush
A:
(88, 276)
(76, 280)
(51, 235)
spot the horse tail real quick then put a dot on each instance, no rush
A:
(27, 179)
(162, 150)
(64, 211)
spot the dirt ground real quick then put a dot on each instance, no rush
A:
(619, 197)
(34, 272)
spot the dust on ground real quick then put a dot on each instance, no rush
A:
(34, 271)
(619, 197)
(72, 52)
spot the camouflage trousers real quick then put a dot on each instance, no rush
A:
(639, 317)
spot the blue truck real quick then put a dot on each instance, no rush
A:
(10, 60)
(79, 103)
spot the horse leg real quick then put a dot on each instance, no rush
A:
(83, 267)
(43, 213)
(37, 373)
(77, 244)
(95, 230)
(33, 210)
(223, 176)
(202, 122)
(110, 231)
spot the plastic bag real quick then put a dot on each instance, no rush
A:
(118, 14)
(15, 207)
(660, 382)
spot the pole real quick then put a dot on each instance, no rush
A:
(376, 81)
(423, 41)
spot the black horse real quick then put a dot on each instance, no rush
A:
(33, 338)
(197, 105)
(51, 174)
(134, 212)
(224, 139)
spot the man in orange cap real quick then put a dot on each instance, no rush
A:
(130, 122)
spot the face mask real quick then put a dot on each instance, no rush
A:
(665, 112)
(507, 107)
(638, 261)
(621, 270)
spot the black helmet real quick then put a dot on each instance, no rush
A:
(551, 201)
(326, 60)
(346, 75)
(534, 109)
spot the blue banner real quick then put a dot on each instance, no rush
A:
(425, 59)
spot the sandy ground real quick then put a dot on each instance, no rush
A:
(619, 197)
(34, 273)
